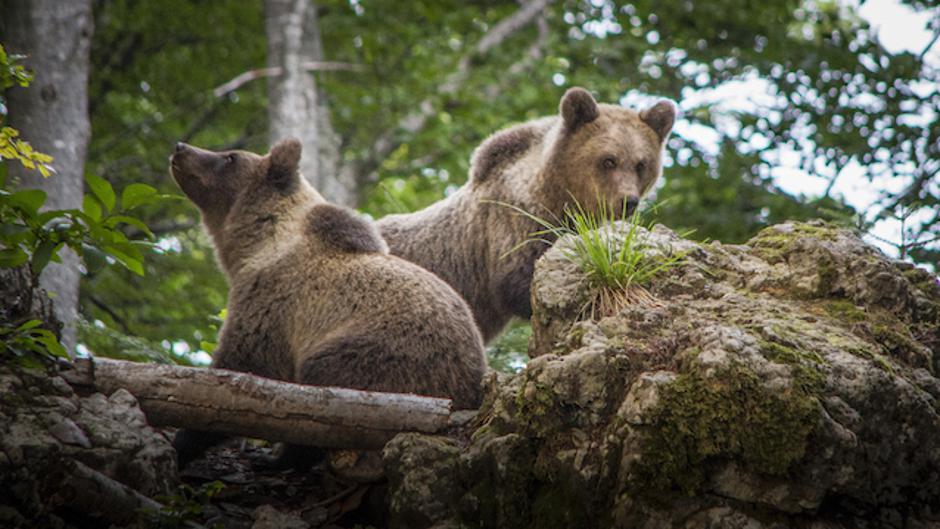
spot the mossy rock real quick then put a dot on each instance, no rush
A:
(729, 414)
(787, 382)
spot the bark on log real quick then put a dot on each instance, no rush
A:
(243, 404)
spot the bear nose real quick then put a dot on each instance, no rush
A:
(631, 204)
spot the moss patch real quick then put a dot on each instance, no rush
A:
(845, 311)
(728, 415)
(537, 406)
(774, 244)
(926, 282)
(878, 326)
(804, 365)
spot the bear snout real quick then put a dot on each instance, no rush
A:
(180, 160)
(631, 203)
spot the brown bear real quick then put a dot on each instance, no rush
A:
(314, 296)
(590, 151)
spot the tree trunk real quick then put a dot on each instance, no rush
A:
(233, 403)
(52, 114)
(296, 107)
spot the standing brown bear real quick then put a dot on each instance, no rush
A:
(590, 151)
(314, 296)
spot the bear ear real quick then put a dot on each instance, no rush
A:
(660, 117)
(577, 108)
(284, 160)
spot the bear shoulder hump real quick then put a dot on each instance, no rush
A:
(503, 148)
(344, 230)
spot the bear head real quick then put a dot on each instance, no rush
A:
(605, 152)
(258, 208)
(238, 184)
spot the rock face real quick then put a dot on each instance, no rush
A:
(788, 382)
(54, 444)
(47, 433)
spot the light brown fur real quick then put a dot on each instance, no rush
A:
(541, 166)
(314, 296)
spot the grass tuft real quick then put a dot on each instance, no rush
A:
(614, 262)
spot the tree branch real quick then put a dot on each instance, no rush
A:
(415, 121)
(933, 40)
(310, 66)
(533, 53)
(114, 316)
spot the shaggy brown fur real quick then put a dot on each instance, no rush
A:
(589, 151)
(314, 296)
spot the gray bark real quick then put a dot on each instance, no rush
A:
(52, 114)
(234, 403)
(296, 106)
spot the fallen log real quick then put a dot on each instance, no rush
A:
(242, 404)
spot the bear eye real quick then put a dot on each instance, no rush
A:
(609, 163)
(640, 166)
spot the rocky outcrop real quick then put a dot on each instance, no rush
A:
(787, 382)
(68, 460)
(50, 437)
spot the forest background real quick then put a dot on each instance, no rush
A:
(789, 110)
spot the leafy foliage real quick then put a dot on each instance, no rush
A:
(12, 147)
(94, 232)
(33, 237)
(184, 507)
(30, 236)
(507, 354)
(29, 342)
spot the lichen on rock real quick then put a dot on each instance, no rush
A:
(789, 381)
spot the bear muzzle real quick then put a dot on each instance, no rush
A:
(630, 204)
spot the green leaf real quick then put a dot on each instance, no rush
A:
(91, 208)
(103, 190)
(137, 194)
(29, 200)
(137, 223)
(132, 264)
(42, 255)
(94, 258)
(13, 233)
(46, 216)
(31, 324)
(52, 344)
(12, 257)
(129, 249)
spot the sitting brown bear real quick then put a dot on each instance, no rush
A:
(314, 296)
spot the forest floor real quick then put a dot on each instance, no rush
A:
(253, 495)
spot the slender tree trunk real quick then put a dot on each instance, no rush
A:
(52, 114)
(296, 106)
